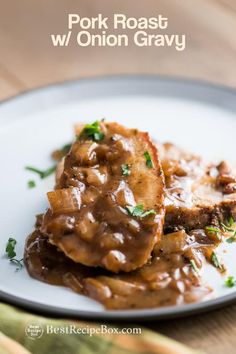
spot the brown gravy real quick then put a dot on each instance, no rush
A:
(168, 279)
(89, 217)
(89, 241)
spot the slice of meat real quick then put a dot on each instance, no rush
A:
(108, 206)
(197, 194)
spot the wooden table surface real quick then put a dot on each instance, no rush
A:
(28, 60)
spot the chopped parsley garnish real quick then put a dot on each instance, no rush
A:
(125, 169)
(147, 213)
(216, 262)
(31, 184)
(58, 154)
(231, 239)
(10, 248)
(225, 228)
(148, 158)
(230, 221)
(139, 211)
(228, 228)
(65, 149)
(212, 229)
(193, 265)
(10, 251)
(92, 131)
(230, 282)
(42, 174)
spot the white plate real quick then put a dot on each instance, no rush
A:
(196, 116)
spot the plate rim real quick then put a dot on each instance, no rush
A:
(92, 79)
(159, 313)
(123, 315)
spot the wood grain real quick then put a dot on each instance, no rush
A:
(28, 60)
(213, 332)
(28, 55)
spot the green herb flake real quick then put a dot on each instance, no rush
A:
(10, 248)
(230, 222)
(194, 266)
(10, 251)
(92, 131)
(65, 149)
(138, 211)
(216, 262)
(231, 239)
(227, 228)
(31, 184)
(148, 212)
(148, 158)
(212, 229)
(215, 230)
(230, 282)
(42, 174)
(125, 170)
(58, 154)
(99, 136)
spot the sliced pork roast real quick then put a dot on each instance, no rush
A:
(106, 216)
(197, 194)
(107, 208)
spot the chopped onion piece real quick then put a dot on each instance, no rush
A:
(65, 200)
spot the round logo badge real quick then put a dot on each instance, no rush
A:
(34, 331)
